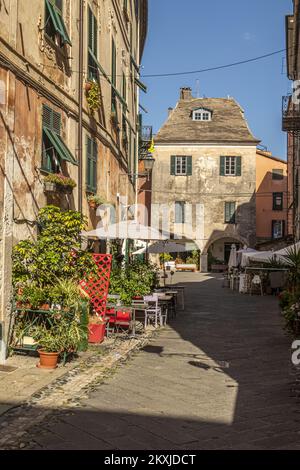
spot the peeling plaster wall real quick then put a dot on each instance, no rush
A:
(207, 187)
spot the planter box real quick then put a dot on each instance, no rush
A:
(50, 187)
(96, 332)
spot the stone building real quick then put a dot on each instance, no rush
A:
(271, 198)
(204, 175)
(50, 53)
(291, 120)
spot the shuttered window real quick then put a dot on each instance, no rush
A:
(278, 229)
(54, 148)
(91, 165)
(230, 166)
(277, 201)
(179, 212)
(230, 210)
(181, 165)
(54, 22)
(92, 46)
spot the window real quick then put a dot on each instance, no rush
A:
(277, 201)
(230, 208)
(54, 149)
(92, 46)
(277, 174)
(201, 115)
(55, 27)
(230, 166)
(181, 165)
(91, 165)
(179, 212)
(278, 227)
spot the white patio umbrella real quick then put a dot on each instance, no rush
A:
(232, 263)
(127, 230)
(163, 247)
(258, 256)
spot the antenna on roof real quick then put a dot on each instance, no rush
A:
(197, 88)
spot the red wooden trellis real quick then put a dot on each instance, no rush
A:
(97, 288)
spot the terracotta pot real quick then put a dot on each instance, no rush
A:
(44, 307)
(87, 86)
(47, 360)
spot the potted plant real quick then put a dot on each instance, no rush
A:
(93, 96)
(61, 182)
(95, 201)
(62, 336)
(97, 327)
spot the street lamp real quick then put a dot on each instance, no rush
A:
(148, 162)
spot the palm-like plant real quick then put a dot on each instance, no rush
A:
(292, 259)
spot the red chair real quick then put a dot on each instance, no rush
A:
(123, 320)
(112, 315)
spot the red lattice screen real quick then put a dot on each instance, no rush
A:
(97, 288)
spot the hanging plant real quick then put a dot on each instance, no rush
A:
(93, 96)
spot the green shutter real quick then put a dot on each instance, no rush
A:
(222, 166)
(91, 165)
(92, 32)
(238, 166)
(189, 166)
(173, 165)
(141, 85)
(113, 63)
(58, 22)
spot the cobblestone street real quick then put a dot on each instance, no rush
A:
(218, 377)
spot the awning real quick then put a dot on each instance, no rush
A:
(141, 85)
(58, 23)
(59, 146)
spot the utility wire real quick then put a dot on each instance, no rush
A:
(173, 74)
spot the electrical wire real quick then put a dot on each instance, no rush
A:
(173, 74)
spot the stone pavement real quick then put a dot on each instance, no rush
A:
(218, 377)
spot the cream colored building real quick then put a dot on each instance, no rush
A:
(49, 50)
(205, 175)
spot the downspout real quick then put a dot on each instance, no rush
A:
(80, 104)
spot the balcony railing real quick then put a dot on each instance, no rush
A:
(290, 114)
(145, 140)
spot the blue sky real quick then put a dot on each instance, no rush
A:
(195, 34)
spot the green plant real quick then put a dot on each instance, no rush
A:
(93, 96)
(97, 200)
(64, 335)
(56, 254)
(194, 258)
(60, 180)
(67, 293)
(165, 257)
(292, 260)
(135, 279)
(32, 295)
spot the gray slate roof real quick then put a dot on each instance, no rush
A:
(228, 123)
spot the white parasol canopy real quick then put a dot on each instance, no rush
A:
(127, 230)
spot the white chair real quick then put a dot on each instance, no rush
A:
(256, 281)
(153, 312)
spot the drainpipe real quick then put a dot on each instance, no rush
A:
(80, 104)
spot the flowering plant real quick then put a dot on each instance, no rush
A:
(61, 180)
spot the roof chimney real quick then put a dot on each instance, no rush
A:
(186, 93)
(169, 111)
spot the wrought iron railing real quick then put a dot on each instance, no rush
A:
(290, 114)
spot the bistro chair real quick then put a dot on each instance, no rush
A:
(123, 320)
(153, 312)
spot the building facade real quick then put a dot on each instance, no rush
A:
(271, 198)
(204, 176)
(291, 121)
(53, 53)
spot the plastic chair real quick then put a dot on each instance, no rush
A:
(256, 281)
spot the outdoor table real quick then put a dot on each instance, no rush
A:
(182, 291)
